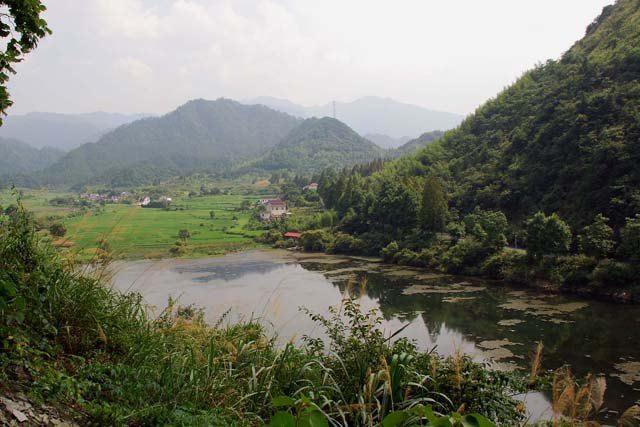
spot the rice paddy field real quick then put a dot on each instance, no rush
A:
(136, 232)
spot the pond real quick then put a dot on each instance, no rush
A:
(490, 321)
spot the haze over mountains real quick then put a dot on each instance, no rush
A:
(373, 115)
(62, 131)
(16, 157)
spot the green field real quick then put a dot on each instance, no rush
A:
(136, 232)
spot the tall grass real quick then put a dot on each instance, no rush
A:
(68, 339)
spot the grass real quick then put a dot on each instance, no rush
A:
(71, 342)
(136, 232)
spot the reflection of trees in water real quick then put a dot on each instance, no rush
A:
(594, 340)
(231, 271)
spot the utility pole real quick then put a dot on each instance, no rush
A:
(334, 109)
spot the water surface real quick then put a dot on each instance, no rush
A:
(487, 320)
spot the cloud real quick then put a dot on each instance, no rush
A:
(133, 67)
(153, 55)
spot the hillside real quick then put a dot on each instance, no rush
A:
(318, 144)
(62, 131)
(564, 138)
(17, 157)
(198, 135)
(417, 143)
(373, 115)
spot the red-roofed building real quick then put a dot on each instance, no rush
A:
(292, 235)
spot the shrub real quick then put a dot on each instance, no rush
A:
(573, 271)
(465, 256)
(345, 244)
(596, 240)
(316, 240)
(611, 273)
(389, 251)
(57, 229)
(406, 257)
(502, 265)
(630, 240)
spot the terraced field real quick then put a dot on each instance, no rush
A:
(134, 232)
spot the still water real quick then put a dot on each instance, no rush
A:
(487, 320)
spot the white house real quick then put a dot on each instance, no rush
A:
(274, 208)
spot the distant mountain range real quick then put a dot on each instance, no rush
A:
(372, 115)
(62, 131)
(199, 135)
(221, 136)
(17, 157)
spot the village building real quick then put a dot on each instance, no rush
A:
(145, 201)
(311, 187)
(274, 209)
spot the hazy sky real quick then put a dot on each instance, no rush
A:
(153, 55)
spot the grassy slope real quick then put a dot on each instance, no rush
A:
(135, 232)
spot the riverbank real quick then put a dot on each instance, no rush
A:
(69, 341)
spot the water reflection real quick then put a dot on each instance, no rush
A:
(448, 313)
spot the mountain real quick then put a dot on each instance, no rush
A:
(373, 115)
(200, 134)
(386, 141)
(565, 137)
(278, 104)
(317, 144)
(419, 142)
(62, 131)
(17, 157)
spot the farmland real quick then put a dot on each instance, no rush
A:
(135, 232)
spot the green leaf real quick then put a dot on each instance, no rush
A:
(282, 419)
(313, 419)
(476, 420)
(283, 402)
(395, 419)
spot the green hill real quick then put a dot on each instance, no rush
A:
(317, 144)
(201, 134)
(417, 143)
(17, 157)
(564, 138)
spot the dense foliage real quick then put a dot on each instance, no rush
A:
(69, 340)
(319, 144)
(564, 138)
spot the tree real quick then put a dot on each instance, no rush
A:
(596, 240)
(212, 214)
(488, 227)
(434, 208)
(547, 235)
(21, 28)
(630, 240)
(184, 234)
(395, 205)
(57, 229)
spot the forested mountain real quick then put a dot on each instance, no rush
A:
(564, 138)
(198, 135)
(373, 115)
(62, 131)
(317, 144)
(417, 143)
(17, 157)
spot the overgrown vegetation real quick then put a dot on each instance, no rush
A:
(70, 340)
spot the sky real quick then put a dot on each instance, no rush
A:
(150, 56)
